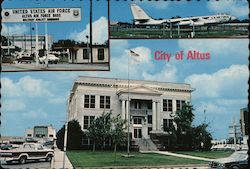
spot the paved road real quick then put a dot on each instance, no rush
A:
(30, 165)
(26, 67)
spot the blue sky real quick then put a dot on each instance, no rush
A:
(220, 83)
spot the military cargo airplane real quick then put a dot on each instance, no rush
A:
(141, 18)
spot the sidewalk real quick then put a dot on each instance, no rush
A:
(57, 162)
(178, 155)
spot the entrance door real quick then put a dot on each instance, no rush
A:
(137, 133)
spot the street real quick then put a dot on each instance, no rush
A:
(30, 165)
(6, 67)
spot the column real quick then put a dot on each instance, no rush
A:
(123, 115)
(127, 109)
(154, 116)
(158, 114)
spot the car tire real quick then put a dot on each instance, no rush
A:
(49, 158)
(234, 167)
(22, 160)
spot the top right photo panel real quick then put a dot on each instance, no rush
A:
(163, 19)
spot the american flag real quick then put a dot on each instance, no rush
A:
(132, 53)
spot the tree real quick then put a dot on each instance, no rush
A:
(99, 130)
(75, 135)
(202, 138)
(182, 132)
(117, 134)
(183, 135)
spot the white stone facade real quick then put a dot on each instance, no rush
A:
(147, 104)
(79, 54)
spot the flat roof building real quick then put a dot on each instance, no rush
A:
(45, 132)
(148, 104)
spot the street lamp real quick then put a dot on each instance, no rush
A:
(87, 47)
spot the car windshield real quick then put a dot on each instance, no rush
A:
(239, 155)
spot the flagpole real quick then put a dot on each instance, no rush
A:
(128, 105)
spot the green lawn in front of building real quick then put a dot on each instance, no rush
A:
(206, 154)
(107, 158)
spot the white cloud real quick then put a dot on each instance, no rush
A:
(158, 5)
(216, 48)
(167, 74)
(137, 64)
(59, 100)
(99, 32)
(26, 86)
(35, 114)
(16, 29)
(228, 82)
(233, 7)
(13, 105)
(231, 102)
(9, 88)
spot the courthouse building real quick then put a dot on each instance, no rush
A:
(148, 104)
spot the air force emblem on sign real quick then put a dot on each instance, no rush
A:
(76, 13)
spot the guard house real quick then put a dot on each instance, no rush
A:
(148, 103)
(81, 53)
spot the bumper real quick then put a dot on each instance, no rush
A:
(6, 159)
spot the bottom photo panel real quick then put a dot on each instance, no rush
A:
(166, 104)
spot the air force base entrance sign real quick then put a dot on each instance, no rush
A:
(41, 15)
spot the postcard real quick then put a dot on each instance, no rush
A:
(124, 84)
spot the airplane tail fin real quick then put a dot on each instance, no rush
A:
(139, 13)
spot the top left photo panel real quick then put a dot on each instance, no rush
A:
(56, 35)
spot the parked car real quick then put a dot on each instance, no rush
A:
(238, 160)
(28, 151)
(8, 59)
(6, 147)
(49, 144)
(51, 59)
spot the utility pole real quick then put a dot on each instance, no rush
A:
(90, 31)
(37, 50)
(46, 43)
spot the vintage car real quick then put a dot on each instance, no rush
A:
(28, 151)
(51, 59)
(238, 160)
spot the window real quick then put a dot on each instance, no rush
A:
(89, 101)
(167, 123)
(87, 120)
(85, 54)
(149, 119)
(137, 120)
(179, 104)
(137, 105)
(105, 102)
(29, 135)
(100, 54)
(149, 129)
(51, 135)
(149, 105)
(137, 133)
(167, 105)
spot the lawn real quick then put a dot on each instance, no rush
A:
(107, 158)
(207, 154)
